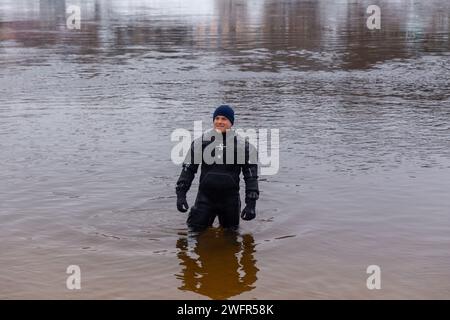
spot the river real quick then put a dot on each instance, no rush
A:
(87, 178)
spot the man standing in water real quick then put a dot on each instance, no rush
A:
(218, 193)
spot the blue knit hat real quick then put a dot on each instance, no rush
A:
(226, 111)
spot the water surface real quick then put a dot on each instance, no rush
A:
(85, 123)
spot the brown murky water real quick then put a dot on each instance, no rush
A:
(86, 176)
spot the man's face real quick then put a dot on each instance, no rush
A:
(222, 123)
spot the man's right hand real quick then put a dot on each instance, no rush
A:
(182, 204)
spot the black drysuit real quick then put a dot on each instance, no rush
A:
(218, 193)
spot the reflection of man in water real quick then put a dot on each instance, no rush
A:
(219, 264)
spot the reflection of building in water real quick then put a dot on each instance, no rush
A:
(217, 263)
(227, 28)
(257, 35)
(52, 13)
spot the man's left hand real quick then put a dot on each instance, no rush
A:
(249, 212)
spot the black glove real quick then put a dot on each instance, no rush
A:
(249, 212)
(182, 204)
